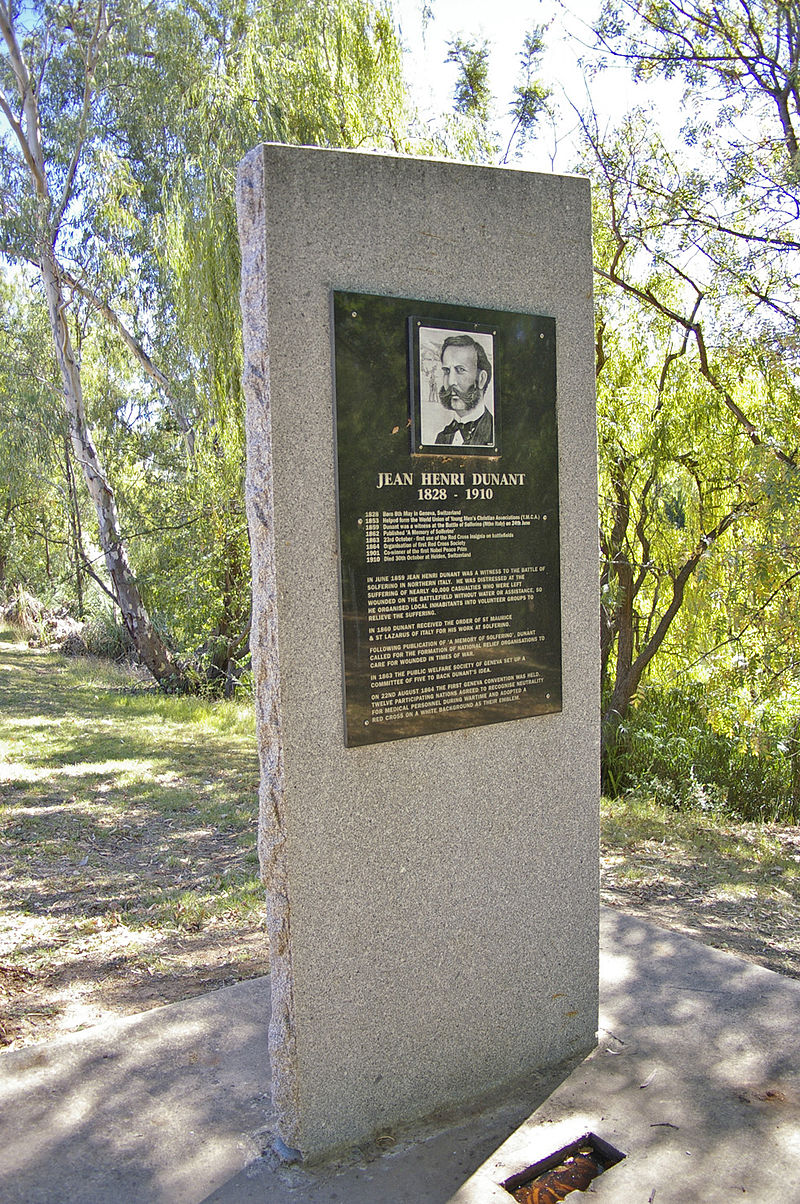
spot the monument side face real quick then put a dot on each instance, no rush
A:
(432, 898)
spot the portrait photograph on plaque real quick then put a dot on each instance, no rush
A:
(448, 509)
(454, 387)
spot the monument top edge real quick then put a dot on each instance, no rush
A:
(439, 160)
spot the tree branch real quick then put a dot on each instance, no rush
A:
(734, 639)
(92, 57)
(29, 138)
(695, 329)
(629, 678)
(114, 320)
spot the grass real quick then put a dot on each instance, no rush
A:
(127, 829)
(733, 855)
(128, 869)
(736, 885)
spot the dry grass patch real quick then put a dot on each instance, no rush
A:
(733, 885)
(127, 829)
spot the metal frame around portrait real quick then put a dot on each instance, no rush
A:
(418, 446)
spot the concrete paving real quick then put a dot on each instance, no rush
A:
(696, 1079)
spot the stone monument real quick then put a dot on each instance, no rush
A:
(421, 492)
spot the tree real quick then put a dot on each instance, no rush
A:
(673, 482)
(472, 137)
(468, 134)
(129, 119)
(325, 73)
(38, 517)
(728, 200)
(530, 100)
(60, 75)
(697, 252)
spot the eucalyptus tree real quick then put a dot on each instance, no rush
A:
(60, 65)
(125, 121)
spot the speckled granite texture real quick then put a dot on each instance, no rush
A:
(432, 901)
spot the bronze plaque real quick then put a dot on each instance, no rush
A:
(448, 515)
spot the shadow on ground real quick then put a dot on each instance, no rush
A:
(127, 829)
(696, 1079)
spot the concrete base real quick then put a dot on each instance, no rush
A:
(696, 1079)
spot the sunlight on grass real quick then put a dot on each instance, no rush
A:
(224, 717)
(128, 793)
(737, 890)
(643, 840)
(127, 843)
(126, 772)
(38, 722)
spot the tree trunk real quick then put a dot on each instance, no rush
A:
(75, 533)
(794, 761)
(47, 567)
(630, 669)
(152, 650)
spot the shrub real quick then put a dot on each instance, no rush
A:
(74, 645)
(669, 749)
(106, 637)
(24, 612)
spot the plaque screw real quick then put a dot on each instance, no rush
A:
(354, 314)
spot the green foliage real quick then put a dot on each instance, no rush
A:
(23, 612)
(668, 748)
(531, 96)
(726, 198)
(698, 419)
(698, 409)
(145, 112)
(472, 95)
(35, 502)
(325, 73)
(468, 134)
(105, 636)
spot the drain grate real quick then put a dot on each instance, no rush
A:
(569, 1169)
